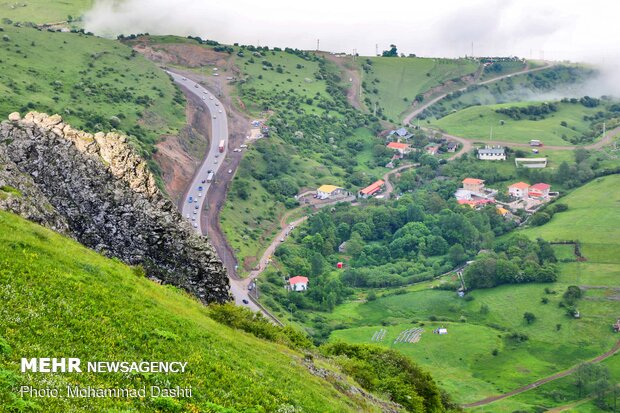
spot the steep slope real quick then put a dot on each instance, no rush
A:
(109, 200)
(61, 299)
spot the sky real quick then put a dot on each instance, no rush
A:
(549, 29)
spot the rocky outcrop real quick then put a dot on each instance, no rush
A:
(109, 201)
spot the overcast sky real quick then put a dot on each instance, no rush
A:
(555, 29)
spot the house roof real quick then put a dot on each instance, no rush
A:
(401, 132)
(519, 185)
(298, 280)
(472, 202)
(502, 211)
(540, 187)
(492, 151)
(371, 189)
(473, 181)
(328, 189)
(397, 145)
(452, 144)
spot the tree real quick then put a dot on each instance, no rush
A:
(456, 254)
(317, 264)
(393, 52)
(529, 317)
(355, 244)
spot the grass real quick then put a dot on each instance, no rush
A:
(506, 68)
(88, 80)
(476, 123)
(43, 11)
(61, 299)
(399, 80)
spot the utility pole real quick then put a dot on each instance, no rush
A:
(472, 49)
(377, 49)
(318, 41)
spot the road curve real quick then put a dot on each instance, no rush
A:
(211, 162)
(431, 102)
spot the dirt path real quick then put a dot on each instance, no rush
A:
(421, 109)
(389, 188)
(351, 75)
(540, 382)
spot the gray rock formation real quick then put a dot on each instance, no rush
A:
(101, 192)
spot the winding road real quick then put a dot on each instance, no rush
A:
(211, 162)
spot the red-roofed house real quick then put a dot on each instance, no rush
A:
(473, 184)
(539, 190)
(298, 283)
(401, 148)
(372, 189)
(519, 190)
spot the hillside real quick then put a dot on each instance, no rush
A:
(394, 83)
(44, 11)
(94, 83)
(561, 127)
(61, 299)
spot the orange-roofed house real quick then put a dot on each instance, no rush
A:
(519, 190)
(473, 184)
(298, 283)
(539, 190)
(401, 148)
(372, 189)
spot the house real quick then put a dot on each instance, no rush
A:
(539, 190)
(475, 202)
(401, 148)
(372, 189)
(451, 146)
(401, 133)
(473, 185)
(342, 247)
(298, 283)
(492, 153)
(502, 211)
(328, 191)
(519, 190)
(432, 148)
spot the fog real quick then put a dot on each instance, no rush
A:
(548, 29)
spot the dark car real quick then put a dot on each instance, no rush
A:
(196, 207)
(204, 181)
(244, 301)
(200, 188)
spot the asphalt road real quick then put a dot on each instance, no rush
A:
(211, 162)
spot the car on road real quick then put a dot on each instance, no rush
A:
(195, 212)
(200, 188)
(196, 207)
(217, 104)
(193, 218)
(220, 110)
(190, 199)
(184, 78)
(196, 86)
(230, 171)
(211, 97)
(281, 239)
(243, 146)
(236, 150)
(215, 161)
(204, 98)
(196, 200)
(204, 181)
(250, 287)
(200, 194)
(195, 225)
(244, 301)
(187, 216)
(214, 117)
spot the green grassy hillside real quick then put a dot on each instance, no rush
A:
(61, 300)
(476, 123)
(43, 11)
(395, 82)
(94, 83)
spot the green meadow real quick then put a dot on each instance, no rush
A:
(484, 123)
(43, 11)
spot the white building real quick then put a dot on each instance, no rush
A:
(492, 153)
(298, 283)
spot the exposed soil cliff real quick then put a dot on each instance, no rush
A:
(97, 189)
